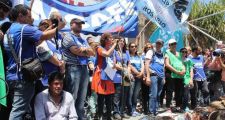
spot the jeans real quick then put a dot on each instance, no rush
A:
(134, 92)
(156, 89)
(169, 91)
(77, 78)
(199, 85)
(185, 97)
(118, 97)
(21, 93)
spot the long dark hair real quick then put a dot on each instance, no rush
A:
(124, 49)
(130, 45)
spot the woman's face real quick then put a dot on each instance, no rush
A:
(133, 48)
(184, 53)
(108, 42)
(121, 43)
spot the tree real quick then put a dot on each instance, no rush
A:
(214, 26)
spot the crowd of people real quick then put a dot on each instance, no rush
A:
(101, 80)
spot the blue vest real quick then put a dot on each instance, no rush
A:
(157, 64)
(199, 73)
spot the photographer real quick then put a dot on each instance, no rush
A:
(21, 41)
(222, 63)
(48, 52)
(216, 67)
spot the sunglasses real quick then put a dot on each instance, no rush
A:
(173, 44)
(133, 46)
(183, 51)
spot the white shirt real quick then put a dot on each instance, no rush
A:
(46, 109)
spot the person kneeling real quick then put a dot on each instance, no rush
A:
(54, 102)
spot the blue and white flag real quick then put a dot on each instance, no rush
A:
(166, 36)
(105, 16)
(166, 14)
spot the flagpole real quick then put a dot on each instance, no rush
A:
(202, 32)
(223, 11)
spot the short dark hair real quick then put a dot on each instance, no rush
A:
(195, 48)
(55, 76)
(14, 13)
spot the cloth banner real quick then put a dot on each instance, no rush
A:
(2, 81)
(166, 14)
(107, 16)
(166, 36)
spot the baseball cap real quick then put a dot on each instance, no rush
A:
(76, 20)
(6, 3)
(172, 41)
(159, 41)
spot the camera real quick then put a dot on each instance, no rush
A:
(55, 22)
(218, 53)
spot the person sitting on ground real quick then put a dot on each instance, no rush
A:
(54, 102)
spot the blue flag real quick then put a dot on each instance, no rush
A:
(166, 36)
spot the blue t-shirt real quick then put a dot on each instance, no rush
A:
(199, 73)
(45, 51)
(69, 41)
(118, 59)
(136, 62)
(31, 35)
(157, 64)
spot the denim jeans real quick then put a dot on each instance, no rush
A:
(77, 78)
(21, 93)
(203, 86)
(118, 97)
(134, 92)
(156, 89)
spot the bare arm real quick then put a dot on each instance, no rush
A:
(51, 33)
(109, 52)
(82, 51)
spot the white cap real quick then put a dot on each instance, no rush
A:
(172, 41)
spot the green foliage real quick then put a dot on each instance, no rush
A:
(214, 25)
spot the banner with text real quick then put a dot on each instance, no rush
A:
(166, 14)
(107, 16)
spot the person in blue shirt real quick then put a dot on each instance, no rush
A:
(199, 79)
(122, 63)
(21, 90)
(49, 54)
(154, 65)
(137, 69)
(76, 52)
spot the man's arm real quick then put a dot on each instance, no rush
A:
(51, 33)
(39, 108)
(82, 51)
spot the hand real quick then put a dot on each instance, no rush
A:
(61, 24)
(115, 41)
(62, 66)
(191, 83)
(1, 35)
(181, 73)
(148, 81)
(139, 75)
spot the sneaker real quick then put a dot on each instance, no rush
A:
(117, 116)
(125, 116)
(187, 109)
(135, 113)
